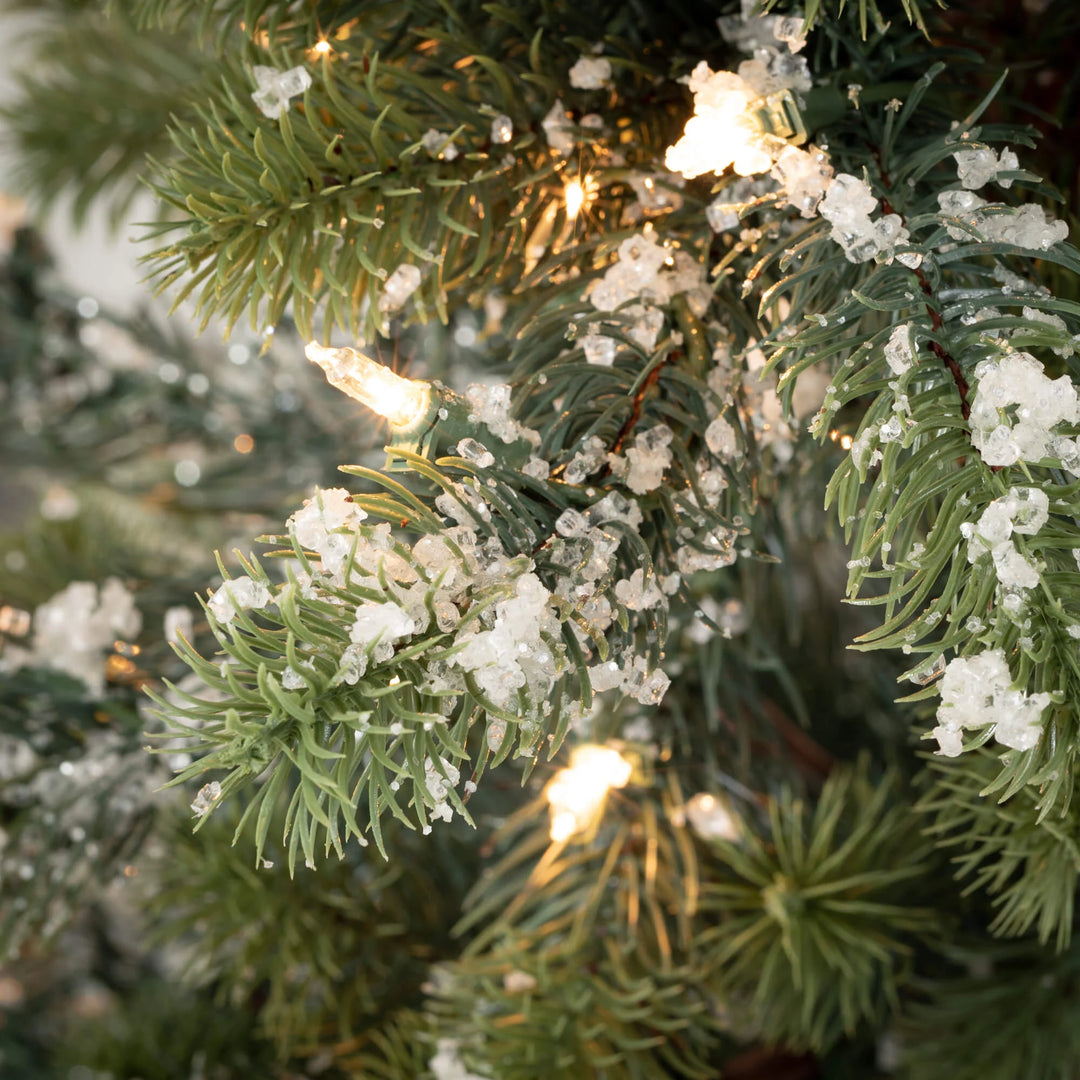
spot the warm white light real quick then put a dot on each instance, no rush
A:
(322, 47)
(574, 196)
(724, 129)
(402, 401)
(711, 817)
(576, 794)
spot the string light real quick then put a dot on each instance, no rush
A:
(574, 196)
(321, 47)
(14, 621)
(733, 126)
(711, 817)
(404, 402)
(576, 794)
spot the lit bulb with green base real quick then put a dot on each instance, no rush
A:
(423, 416)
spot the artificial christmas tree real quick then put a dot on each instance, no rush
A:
(534, 747)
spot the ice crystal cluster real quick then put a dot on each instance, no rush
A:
(723, 212)
(585, 546)
(558, 129)
(74, 630)
(399, 286)
(432, 587)
(1023, 511)
(899, 353)
(277, 87)
(978, 165)
(805, 176)
(1025, 226)
(439, 145)
(750, 32)
(447, 1063)
(490, 405)
(1016, 408)
(976, 692)
(646, 272)
(590, 73)
(847, 206)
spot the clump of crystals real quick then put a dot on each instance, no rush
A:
(204, 801)
(1016, 408)
(237, 594)
(847, 206)
(438, 145)
(976, 692)
(399, 286)
(648, 458)
(805, 176)
(474, 618)
(558, 129)
(978, 165)
(1025, 226)
(439, 779)
(490, 405)
(1023, 511)
(277, 87)
(73, 631)
(324, 525)
(646, 272)
(899, 354)
(590, 73)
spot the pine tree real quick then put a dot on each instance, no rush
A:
(688, 688)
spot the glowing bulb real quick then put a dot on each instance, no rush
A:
(574, 196)
(712, 818)
(321, 47)
(404, 402)
(733, 126)
(576, 794)
(845, 441)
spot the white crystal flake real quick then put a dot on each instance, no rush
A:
(804, 176)
(207, 796)
(599, 350)
(438, 145)
(277, 87)
(899, 354)
(238, 594)
(590, 73)
(558, 129)
(399, 286)
(648, 458)
(978, 165)
(1023, 511)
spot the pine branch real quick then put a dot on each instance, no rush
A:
(814, 920)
